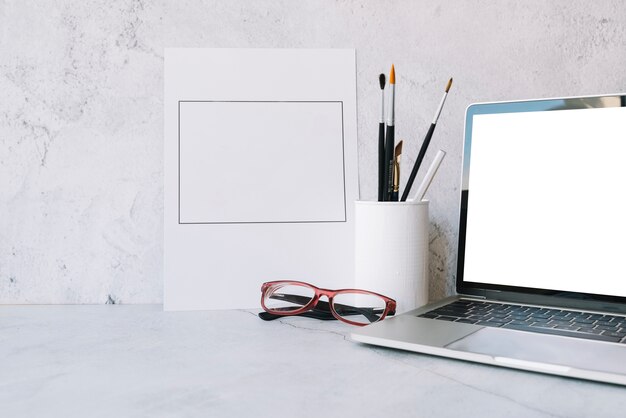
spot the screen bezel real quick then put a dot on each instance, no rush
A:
(515, 293)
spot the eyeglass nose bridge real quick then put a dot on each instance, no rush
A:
(318, 297)
(324, 292)
(329, 295)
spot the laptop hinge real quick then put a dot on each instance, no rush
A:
(467, 295)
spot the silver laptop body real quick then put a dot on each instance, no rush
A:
(543, 230)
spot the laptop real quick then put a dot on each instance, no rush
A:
(540, 280)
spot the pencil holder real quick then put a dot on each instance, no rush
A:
(391, 250)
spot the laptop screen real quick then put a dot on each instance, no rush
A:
(544, 196)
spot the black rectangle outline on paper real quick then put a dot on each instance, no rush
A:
(343, 149)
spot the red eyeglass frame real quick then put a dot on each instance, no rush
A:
(390, 304)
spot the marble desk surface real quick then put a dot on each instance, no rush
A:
(138, 361)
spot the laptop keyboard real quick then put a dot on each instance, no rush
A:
(610, 328)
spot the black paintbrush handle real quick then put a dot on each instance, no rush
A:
(418, 162)
(381, 161)
(394, 196)
(389, 147)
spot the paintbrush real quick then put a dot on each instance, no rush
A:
(396, 172)
(422, 152)
(389, 138)
(381, 140)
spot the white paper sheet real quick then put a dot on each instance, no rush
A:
(260, 172)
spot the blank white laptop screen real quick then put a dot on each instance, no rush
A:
(547, 200)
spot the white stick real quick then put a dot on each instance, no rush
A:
(430, 174)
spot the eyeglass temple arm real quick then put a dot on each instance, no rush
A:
(369, 313)
(315, 313)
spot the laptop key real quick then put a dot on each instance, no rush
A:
(607, 328)
(454, 306)
(559, 322)
(538, 319)
(498, 320)
(515, 322)
(591, 330)
(541, 324)
(620, 335)
(447, 318)
(568, 327)
(481, 311)
(449, 313)
(564, 333)
(455, 310)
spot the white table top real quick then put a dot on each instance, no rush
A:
(138, 361)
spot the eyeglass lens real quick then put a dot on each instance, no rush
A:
(359, 307)
(286, 298)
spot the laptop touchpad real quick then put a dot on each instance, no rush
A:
(541, 348)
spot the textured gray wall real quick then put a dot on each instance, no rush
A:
(81, 120)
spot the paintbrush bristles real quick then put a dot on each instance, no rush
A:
(449, 85)
(382, 79)
(398, 150)
(396, 171)
(392, 75)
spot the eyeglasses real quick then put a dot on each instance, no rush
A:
(353, 306)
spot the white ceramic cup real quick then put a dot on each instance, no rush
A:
(391, 251)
